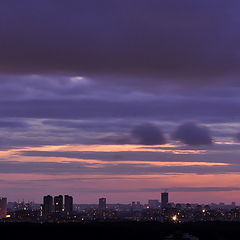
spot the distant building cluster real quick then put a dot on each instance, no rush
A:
(56, 205)
(62, 209)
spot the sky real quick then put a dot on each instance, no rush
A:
(120, 99)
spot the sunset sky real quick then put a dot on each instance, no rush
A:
(120, 99)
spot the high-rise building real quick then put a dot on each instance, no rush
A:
(68, 204)
(3, 207)
(58, 204)
(164, 199)
(47, 205)
(102, 204)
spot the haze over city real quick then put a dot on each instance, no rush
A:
(120, 99)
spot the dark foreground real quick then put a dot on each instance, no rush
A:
(124, 230)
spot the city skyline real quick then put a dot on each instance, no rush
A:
(120, 99)
(64, 209)
(163, 199)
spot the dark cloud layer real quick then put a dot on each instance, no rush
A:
(217, 110)
(140, 37)
(192, 133)
(53, 168)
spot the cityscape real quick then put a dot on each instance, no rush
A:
(62, 209)
(120, 119)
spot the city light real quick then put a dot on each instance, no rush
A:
(61, 209)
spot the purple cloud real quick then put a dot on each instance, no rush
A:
(148, 134)
(191, 133)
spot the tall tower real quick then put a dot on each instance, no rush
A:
(47, 205)
(68, 204)
(58, 204)
(164, 199)
(102, 204)
(3, 207)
